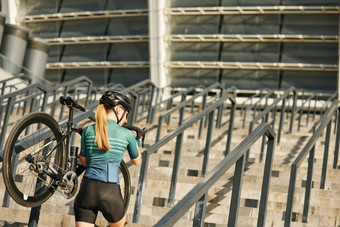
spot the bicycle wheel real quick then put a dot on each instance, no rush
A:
(125, 183)
(26, 180)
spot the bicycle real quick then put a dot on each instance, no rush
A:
(38, 159)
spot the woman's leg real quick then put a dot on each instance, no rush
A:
(83, 224)
(120, 223)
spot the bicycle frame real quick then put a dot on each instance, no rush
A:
(65, 137)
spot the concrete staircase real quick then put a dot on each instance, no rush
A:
(325, 203)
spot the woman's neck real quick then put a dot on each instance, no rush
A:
(112, 116)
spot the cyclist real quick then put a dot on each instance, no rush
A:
(102, 148)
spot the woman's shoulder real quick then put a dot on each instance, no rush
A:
(90, 128)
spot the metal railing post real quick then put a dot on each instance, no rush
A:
(336, 151)
(292, 117)
(281, 120)
(230, 127)
(159, 129)
(174, 176)
(325, 156)
(290, 198)
(150, 103)
(266, 181)
(236, 192)
(140, 187)
(263, 139)
(202, 120)
(208, 143)
(10, 101)
(308, 184)
(200, 209)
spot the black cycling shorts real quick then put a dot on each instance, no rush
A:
(97, 196)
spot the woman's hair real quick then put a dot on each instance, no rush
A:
(101, 128)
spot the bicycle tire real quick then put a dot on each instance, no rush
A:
(17, 171)
(126, 188)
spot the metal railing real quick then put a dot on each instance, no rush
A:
(180, 107)
(264, 116)
(198, 196)
(310, 149)
(178, 133)
(300, 110)
(29, 99)
(78, 117)
(249, 100)
(169, 102)
(254, 107)
(14, 83)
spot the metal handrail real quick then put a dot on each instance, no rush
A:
(209, 111)
(300, 110)
(180, 107)
(22, 77)
(32, 92)
(250, 98)
(254, 105)
(310, 149)
(65, 88)
(169, 102)
(199, 194)
(264, 114)
(133, 89)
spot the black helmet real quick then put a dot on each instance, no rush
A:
(112, 98)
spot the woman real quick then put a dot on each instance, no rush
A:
(102, 149)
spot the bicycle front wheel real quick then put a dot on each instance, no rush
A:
(26, 166)
(125, 183)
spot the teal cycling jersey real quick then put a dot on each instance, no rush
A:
(104, 165)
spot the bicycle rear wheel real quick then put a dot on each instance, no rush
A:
(26, 180)
(125, 183)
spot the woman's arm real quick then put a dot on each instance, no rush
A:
(136, 161)
(82, 160)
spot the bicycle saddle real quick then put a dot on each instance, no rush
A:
(71, 103)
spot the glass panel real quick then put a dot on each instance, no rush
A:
(194, 3)
(311, 24)
(310, 3)
(231, 3)
(316, 81)
(194, 51)
(250, 52)
(123, 4)
(311, 53)
(251, 79)
(129, 52)
(250, 24)
(94, 27)
(84, 53)
(193, 77)
(194, 24)
(129, 26)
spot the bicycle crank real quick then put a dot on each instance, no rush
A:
(69, 184)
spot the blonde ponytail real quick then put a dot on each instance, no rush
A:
(101, 128)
